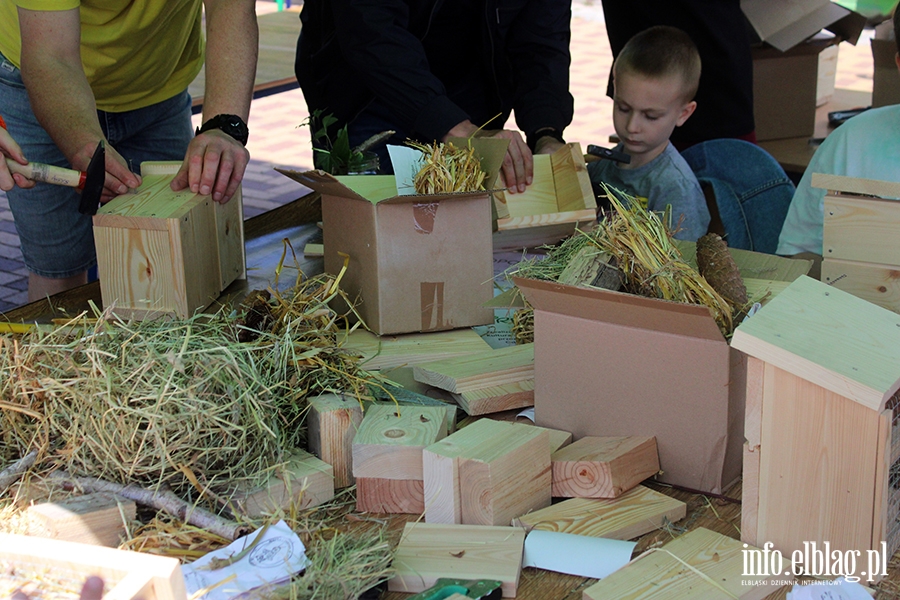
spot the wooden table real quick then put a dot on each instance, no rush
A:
(794, 154)
(278, 33)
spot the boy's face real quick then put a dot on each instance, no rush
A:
(645, 112)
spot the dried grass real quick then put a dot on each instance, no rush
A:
(448, 169)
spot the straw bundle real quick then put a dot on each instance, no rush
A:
(448, 169)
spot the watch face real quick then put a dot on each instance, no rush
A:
(230, 124)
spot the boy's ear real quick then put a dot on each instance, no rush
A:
(686, 111)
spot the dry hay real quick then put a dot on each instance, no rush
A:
(447, 169)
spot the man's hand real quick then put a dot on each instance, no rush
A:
(214, 164)
(119, 179)
(547, 145)
(9, 147)
(517, 171)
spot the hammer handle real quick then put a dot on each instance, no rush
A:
(47, 173)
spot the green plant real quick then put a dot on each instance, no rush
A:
(337, 157)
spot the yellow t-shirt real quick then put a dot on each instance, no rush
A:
(135, 52)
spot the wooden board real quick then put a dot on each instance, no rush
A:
(389, 351)
(879, 284)
(861, 229)
(519, 394)
(331, 423)
(427, 552)
(98, 519)
(392, 496)
(632, 514)
(476, 371)
(856, 185)
(390, 440)
(303, 481)
(661, 573)
(603, 467)
(125, 574)
(828, 337)
(751, 452)
(573, 183)
(537, 199)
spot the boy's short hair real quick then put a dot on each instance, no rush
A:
(662, 51)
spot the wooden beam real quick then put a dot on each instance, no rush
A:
(390, 440)
(603, 467)
(390, 495)
(476, 371)
(519, 394)
(715, 571)
(856, 185)
(877, 283)
(389, 351)
(861, 229)
(631, 515)
(98, 518)
(331, 426)
(303, 481)
(427, 552)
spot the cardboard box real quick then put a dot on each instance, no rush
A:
(615, 364)
(885, 78)
(788, 68)
(416, 263)
(164, 252)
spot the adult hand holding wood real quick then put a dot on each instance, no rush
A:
(214, 164)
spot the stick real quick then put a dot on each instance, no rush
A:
(163, 500)
(11, 474)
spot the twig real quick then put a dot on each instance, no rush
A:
(163, 500)
(11, 474)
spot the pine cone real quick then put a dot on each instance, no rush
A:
(718, 268)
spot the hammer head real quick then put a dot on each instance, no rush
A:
(93, 182)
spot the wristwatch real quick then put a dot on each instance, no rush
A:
(233, 125)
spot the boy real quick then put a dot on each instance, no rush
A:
(655, 78)
(866, 146)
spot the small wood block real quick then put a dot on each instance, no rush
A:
(476, 371)
(390, 351)
(634, 513)
(311, 250)
(390, 495)
(332, 424)
(390, 440)
(91, 519)
(303, 479)
(661, 573)
(487, 473)
(558, 437)
(603, 467)
(519, 394)
(125, 574)
(427, 552)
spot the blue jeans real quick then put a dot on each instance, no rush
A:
(58, 241)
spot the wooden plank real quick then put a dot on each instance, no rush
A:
(828, 337)
(524, 233)
(538, 198)
(884, 519)
(332, 423)
(98, 519)
(475, 371)
(427, 552)
(603, 467)
(856, 185)
(634, 513)
(311, 250)
(390, 440)
(661, 573)
(139, 575)
(230, 239)
(763, 290)
(756, 370)
(861, 229)
(570, 175)
(583, 217)
(389, 351)
(817, 466)
(194, 254)
(879, 284)
(392, 496)
(303, 481)
(750, 495)
(519, 394)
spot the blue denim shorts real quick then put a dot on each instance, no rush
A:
(58, 241)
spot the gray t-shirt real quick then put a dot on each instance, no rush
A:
(667, 179)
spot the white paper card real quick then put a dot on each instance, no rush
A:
(273, 559)
(406, 162)
(839, 589)
(575, 554)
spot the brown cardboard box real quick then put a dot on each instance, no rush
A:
(416, 263)
(612, 364)
(886, 78)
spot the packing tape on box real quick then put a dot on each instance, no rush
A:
(423, 216)
(432, 298)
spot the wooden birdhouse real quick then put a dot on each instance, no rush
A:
(164, 252)
(860, 249)
(822, 437)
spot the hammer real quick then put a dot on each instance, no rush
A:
(90, 182)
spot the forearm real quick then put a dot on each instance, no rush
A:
(231, 55)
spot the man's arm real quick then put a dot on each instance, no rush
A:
(215, 162)
(60, 95)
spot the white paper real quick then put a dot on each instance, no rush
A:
(406, 162)
(528, 413)
(839, 589)
(575, 554)
(274, 559)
